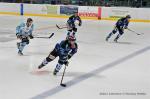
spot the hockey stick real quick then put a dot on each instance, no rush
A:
(44, 28)
(61, 83)
(45, 37)
(61, 27)
(135, 32)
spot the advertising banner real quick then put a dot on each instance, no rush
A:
(119, 12)
(86, 11)
(35, 9)
(68, 10)
(51, 9)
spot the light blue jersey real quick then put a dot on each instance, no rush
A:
(23, 30)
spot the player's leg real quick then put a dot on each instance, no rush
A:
(120, 33)
(69, 28)
(19, 38)
(57, 68)
(74, 31)
(61, 61)
(110, 34)
(22, 44)
(48, 59)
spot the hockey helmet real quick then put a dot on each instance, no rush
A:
(128, 16)
(29, 20)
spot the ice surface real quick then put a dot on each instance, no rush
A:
(100, 69)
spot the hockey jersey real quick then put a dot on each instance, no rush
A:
(123, 23)
(64, 48)
(23, 30)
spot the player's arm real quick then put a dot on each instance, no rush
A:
(80, 21)
(19, 30)
(30, 32)
(19, 27)
(73, 51)
(126, 25)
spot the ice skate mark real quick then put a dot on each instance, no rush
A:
(86, 76)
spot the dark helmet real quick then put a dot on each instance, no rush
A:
(29, 20)
(128, 16)
(71, 38)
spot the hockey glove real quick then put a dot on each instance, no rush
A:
(125, 27)
(31, 36)
(79, 24)
(19, 36)
(66, 63)
(69, 56)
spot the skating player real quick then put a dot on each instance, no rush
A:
(72, 22)
(23, 33)
(120, 26)
(64, 50)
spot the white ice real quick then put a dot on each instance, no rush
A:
(99, 70)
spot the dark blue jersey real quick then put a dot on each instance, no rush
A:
(73, 18)
(122, 23)
(64, 48)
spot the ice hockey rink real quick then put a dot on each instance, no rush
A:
(99, 70)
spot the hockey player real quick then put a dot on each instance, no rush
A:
(120, 26)
(71, 23)
(65, 50)
(23, 33)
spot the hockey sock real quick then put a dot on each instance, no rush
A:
(58, 67)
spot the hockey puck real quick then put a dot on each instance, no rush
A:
(63, 85)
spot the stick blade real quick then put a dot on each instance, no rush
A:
(63, 85)
(58, 26)
(51, 35)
